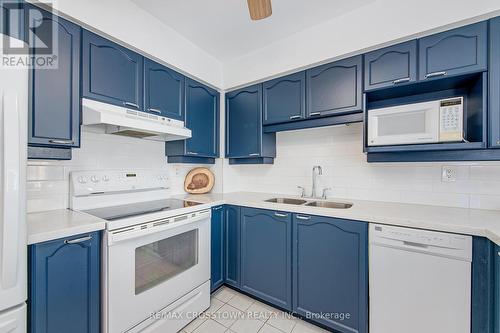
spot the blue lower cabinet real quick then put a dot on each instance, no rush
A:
(64, 285)
(232, 228)
(330, 272)
(217, 248)
(266, 255)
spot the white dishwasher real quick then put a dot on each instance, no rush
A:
(420, 281)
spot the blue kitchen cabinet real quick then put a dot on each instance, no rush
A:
(284, 99)
(390, 66)
(12, 19)
(335, 88)
(494, 86)
(330, 272)
(54, 93)
(458, 51)
(163, 91)
(266, 255)
(64, 287)
(202, 118)
(232, 228)
(245, 140)
(111, 73)
(217, 248)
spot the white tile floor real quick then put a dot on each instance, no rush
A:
(232, 312)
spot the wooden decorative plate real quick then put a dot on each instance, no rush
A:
(199, 181)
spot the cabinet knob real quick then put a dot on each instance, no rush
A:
(498, 142)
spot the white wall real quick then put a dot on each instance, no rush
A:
(48, 181)
(339, 151)
(377, 23)
(124, 21)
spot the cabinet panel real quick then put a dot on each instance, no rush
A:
(453, 52)
(64, 285)
(266, 247)
(54, 115)
(335, 88)
(163, 91)
(391, 66)
(217, 248)
(330, 271)
(494, 86)
(111, 73)
(232, 244)
(285, 99)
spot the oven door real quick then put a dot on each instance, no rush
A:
(150, 271)
(404, 124)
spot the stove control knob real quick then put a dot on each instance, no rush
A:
(94, 179)
(82, 180)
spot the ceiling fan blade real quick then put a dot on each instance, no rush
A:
(259, 9)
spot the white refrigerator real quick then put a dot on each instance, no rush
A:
(13, 152)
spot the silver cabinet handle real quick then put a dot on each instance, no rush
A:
(254, 154)
(191, 153)
(62, 142)
(295, 117)
(217, 208)
(403, 80)
(280, 215)
(131, 104)
(315, 114)
(154, 110)
(428, 76)
(302, 217)
(78, 240)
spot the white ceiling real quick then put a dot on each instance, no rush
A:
(223, 27)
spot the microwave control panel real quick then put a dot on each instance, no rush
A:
(451, 119)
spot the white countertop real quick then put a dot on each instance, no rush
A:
(55, 224)
(44, 226)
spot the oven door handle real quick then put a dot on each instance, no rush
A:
(124, 234)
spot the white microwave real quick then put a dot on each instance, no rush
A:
(426, 122)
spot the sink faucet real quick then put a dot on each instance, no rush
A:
(317, 171)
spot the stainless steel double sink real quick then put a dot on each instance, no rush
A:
(301, 202)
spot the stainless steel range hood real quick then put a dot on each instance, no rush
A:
(112, 119)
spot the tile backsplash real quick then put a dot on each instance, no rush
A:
(339, 151)
(48, 181)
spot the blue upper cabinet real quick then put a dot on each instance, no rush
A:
(244, 136)
(335, 88)
(458, 51)
(266, 255)
(217, 248)
(285, 99)
(330, 271)
(163, 91)
(232, 229)
(393, 65)
(202, 118)
(12, 19)
(54, 99)
(111, 73)
(64, 293)
(494, 86)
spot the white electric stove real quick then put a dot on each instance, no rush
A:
(156, 250)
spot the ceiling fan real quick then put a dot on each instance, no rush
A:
(259, 9)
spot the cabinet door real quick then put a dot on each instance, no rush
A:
(494, 86)
(111, 73)
(391, 66)
(64, 285)
(244, 122)
(12, 19)
(335, 88)
(266, 255)
(457, 51)
(54, 98)
(202, 118)
(330, 271)
(163, 91)
(285, 99)
(232, 244)
(217, 248)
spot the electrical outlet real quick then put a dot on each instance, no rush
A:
(448, 174)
